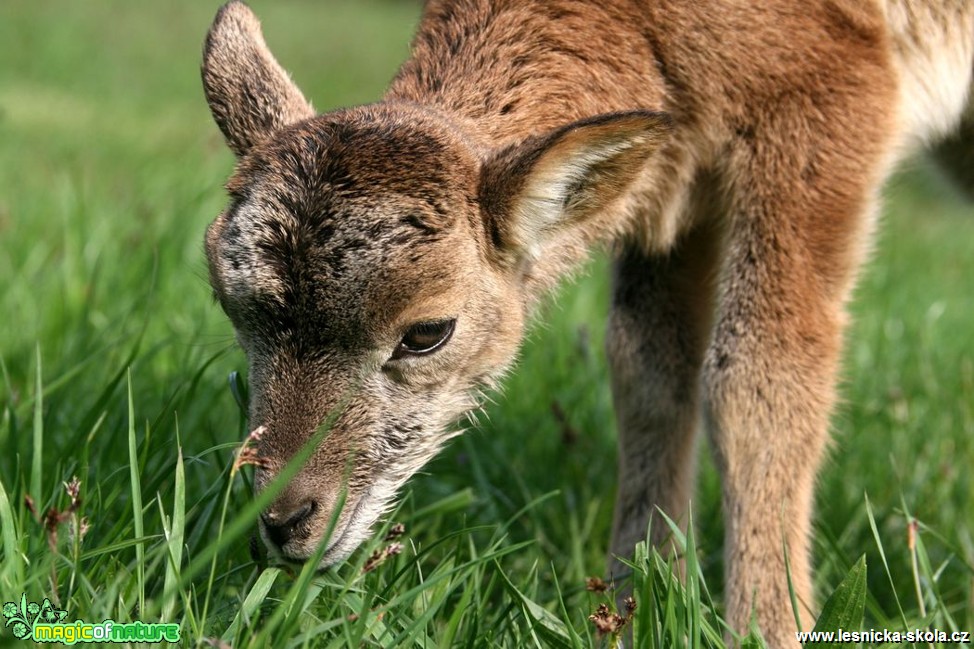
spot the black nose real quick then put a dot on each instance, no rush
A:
(282, 527)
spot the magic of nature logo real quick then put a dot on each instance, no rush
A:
(45, 623)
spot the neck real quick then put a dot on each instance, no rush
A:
(509, 70)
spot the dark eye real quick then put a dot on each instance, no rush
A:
(424, 338)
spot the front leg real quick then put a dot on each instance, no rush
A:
(802, 210)
(656, 339)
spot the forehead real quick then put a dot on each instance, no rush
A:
(349, 151)
(335, 227)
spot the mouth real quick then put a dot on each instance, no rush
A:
(340, 538)
(340, 544)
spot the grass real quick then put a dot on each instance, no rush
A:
(115, 364)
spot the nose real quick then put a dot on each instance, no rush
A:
(281, 527)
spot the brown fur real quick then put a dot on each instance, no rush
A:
(732, 150)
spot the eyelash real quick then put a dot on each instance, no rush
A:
(424, 338)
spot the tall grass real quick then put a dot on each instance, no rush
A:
(115, 362)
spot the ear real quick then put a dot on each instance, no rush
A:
(557, 186)
(249, 93)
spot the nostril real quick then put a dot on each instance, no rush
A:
(281, 528)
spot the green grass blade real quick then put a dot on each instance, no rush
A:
(11, 548)
(792, 595)
(136, 490)
(297, 600)
(844, 609)
(256, 597)
(694, 601)
(563, 609)
(548, 626)
(882, 556)
(448, 639)
(37, 460)
(97, 409)
(175, 534)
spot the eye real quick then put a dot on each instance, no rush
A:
(425, 338)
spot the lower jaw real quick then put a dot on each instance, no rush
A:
(337, 536)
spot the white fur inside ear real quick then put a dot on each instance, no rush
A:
(544, 206)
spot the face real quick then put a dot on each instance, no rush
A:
(377, 264)
(355, 265)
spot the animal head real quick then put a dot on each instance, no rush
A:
(382, 260)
